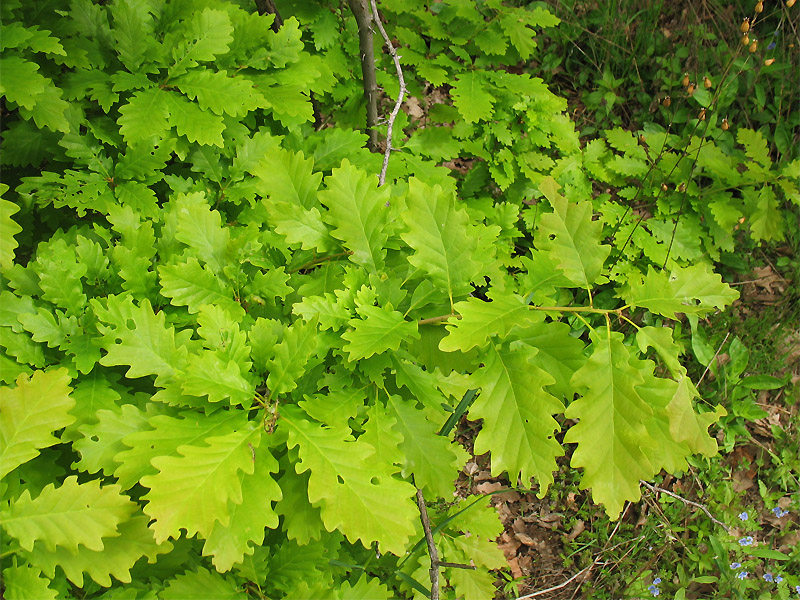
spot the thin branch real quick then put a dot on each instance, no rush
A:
(655, 488)
(401, 94)
(556, 587)
(363, 16)
(434, 554)
(267, 7)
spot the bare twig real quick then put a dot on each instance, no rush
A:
(708, 366)
(556, 587)
(400, 95)
(363, 16)
(655, 488)
(432, 551)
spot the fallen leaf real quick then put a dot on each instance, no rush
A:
(513, 564)
(413, 108)
(525, 538)
(578, 528)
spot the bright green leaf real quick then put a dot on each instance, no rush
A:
(32, 411)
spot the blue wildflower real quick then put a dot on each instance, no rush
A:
(778, 579)
(771, 46)
(742, 575)
(654, 590)
(657, 580)
(743, 516)
(797, 589)
(746, 540)
(768, 577)
(779, 512)
(736, 565)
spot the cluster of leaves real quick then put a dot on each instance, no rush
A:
(229, 356)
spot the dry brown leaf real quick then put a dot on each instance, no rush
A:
(505, 513)
(513, 563)
(578, 528)
(742, 480)
(413, 108)
(525, 538)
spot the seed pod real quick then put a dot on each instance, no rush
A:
(685, 80)
(666, 101)
(690, 89)
(742, 220)
(769, 61)
(745, 26)
(789, 3)
(664, 187)
(754, 46)
(706, 82)
(759, 7)
(642, 139)
(745, 39)
(702, 115)
(725, 124)
(682, 187)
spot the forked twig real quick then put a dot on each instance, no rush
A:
(401, 94)
(655, 488)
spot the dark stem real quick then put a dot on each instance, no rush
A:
(434, 554)
(361, 11)
(267, 7)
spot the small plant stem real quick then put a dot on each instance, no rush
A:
(432, 551)
(656, 489)
(400, 95)
(439, 319)
(708, 366)
(581, 309)
(569, 309)
(624, 318)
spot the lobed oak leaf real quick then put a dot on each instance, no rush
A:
(357, 209)
(117, 558)
(571, 237)
(355, 495)
(694, 290)
(31, 412)
(613, 441)
(71, 515)
(193, 490)
(378, 330)
(518, 426)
